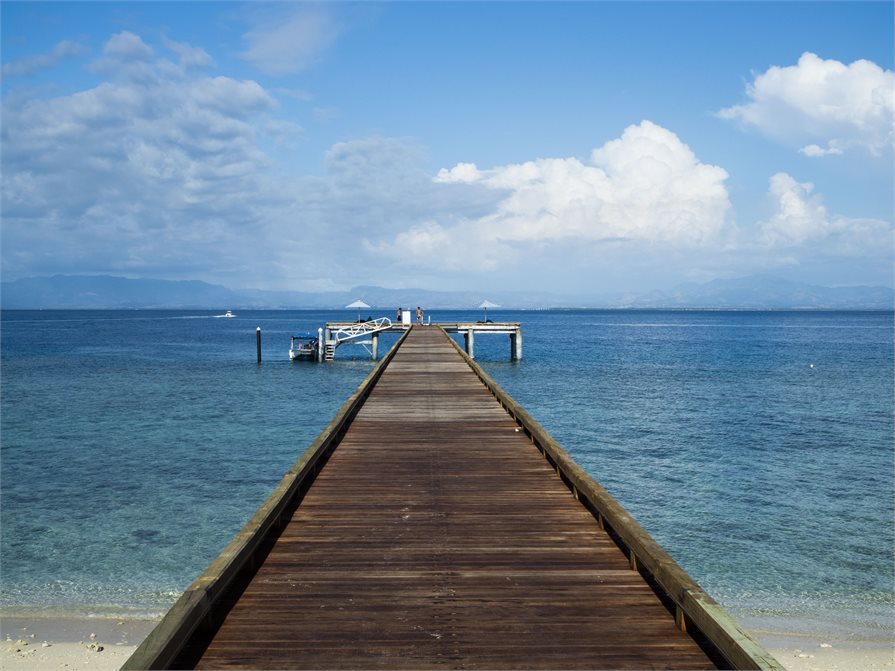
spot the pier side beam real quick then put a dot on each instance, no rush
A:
(375, 347)
(516, 345)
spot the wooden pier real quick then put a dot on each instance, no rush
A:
(327, 345)
(434, 525)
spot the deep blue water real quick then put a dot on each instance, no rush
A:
(757, 447)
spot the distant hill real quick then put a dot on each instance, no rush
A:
(764, 292)
(86, 292)
(109, 292)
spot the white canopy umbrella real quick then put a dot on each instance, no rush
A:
(487, 304)
(360, 305)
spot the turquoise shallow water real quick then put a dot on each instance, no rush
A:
(756, 447)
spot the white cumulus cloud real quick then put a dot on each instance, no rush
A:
(644, 195)
(646, 186)
(832, 106)
(644, 201)
(798, 215)
(801, 220)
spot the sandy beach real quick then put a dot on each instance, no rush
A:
(101, 644)
(98, 644)
(804, 654)
(833, 659)
(817, 644)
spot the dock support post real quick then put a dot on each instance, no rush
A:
(258, 342)
(469, 339)
(375, 346)
(516, 345)
(320, 345)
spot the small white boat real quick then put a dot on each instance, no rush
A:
(229, 314)
(304, 346)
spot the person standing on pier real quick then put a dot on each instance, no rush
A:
(399, 316)
(419, 315)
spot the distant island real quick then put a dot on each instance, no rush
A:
(104, 292)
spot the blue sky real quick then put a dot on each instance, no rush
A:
(585, 147)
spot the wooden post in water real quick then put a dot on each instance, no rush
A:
(375, 347)
(258, 342)
(469, 337)
(319, 345)
(516, 345)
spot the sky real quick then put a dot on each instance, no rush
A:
(579, 148)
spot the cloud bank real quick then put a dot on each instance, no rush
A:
(160, 171)
(147, 168)
(646, 188)
(833, 106)
(644, 200)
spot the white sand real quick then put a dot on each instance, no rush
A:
(817, 658)
(826, 653)
(69, 643)
(32, 643)
(818, 644)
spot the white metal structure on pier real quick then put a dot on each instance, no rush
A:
(337, 333)
(352, 333)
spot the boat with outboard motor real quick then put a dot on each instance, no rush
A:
(304, 346)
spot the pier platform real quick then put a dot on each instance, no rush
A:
(330, 338)
(435, 525)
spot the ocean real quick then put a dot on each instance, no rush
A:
(756, 447)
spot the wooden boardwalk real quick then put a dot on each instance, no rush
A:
(438, 536)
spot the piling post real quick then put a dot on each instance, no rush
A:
(470, 343)
(516, 344)
(375, 346)
(258, 342)
(320, 345)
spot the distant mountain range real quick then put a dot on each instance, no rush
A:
(108, 292)
(764, 292)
